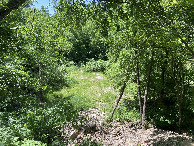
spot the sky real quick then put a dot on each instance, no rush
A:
(45, 3)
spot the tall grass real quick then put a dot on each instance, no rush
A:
(93, 89)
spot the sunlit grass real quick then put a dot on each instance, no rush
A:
(93, 89)
(90, 90)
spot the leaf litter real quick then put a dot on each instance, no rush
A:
(116, 133)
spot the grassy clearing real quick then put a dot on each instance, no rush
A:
(89, 90)
(93, 89)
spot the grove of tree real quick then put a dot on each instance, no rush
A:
(147, 45)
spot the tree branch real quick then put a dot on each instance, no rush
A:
(186, 45)
(10, 6)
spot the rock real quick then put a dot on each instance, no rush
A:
(99, 77)
(130, 124)
(150, 126)
(74, 134)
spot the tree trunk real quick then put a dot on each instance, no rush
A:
(117, 102)
(121, 94)
(40, 82)
(163, 68)
(162, 80)
(146, 93)
(139, 91)
(180, 92)
(181, 102)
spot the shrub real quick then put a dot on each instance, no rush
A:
(37, 123)
(128, 110)
(96, 66)
(87, 43)
(12, 129)
(32, 142)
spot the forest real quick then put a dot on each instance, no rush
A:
(99, 72)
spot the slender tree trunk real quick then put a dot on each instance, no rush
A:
(163, 68)
(146, 93)
(121, 94)
(180, 93)
(162, 79)
(117, 102)
(181, 103)
(40, 82)
(139, 91)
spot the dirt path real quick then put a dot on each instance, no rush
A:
(122, 134)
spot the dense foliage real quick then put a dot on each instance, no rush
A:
(31, 68)
(145, 47)
(154, 51)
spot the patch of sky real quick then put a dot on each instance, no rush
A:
(48, 4)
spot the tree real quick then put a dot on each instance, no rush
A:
(84, 33)
(7, 6)
(143, 28)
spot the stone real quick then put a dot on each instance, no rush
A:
(74, 134)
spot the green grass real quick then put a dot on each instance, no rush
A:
(89, 90)
(93, 89)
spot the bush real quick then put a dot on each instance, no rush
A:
(127, 110)
(31, 142)
(96, 66)
(87, 43)
(38, 123)
(12, 129)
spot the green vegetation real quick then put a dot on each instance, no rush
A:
(94, 90)
(89, 90)
(88, 54)
(96, 66)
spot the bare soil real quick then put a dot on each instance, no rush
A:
(120, 134)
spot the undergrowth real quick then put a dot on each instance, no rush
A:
(93, 89)
(39, 123)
